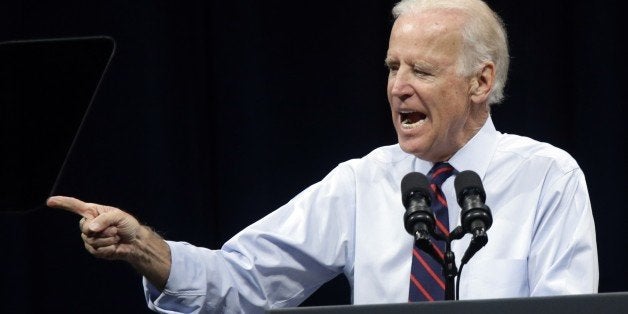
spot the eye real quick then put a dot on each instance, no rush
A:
(421, 72)
(393, 67)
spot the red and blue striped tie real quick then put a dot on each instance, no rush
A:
(427, 282)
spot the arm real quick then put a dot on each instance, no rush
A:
(276, 262)
(111, 233)
(563, 253)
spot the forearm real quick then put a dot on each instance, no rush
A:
(151, 257)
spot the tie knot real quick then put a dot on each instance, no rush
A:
(440, 172)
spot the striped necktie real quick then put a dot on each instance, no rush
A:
(427, 282)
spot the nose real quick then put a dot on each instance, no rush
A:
(399, 84)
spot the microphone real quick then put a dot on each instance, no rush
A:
(415, 196)
(476, 217)
(419, 218)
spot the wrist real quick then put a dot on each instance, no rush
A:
(150, 256)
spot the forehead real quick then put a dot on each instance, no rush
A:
(434, 33)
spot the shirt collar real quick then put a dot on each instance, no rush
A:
(478, 152)
(475, 155)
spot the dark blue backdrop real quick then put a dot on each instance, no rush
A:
(214, 113)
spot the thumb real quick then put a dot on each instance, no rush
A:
(115, 218)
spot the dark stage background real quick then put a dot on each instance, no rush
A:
(214, 113)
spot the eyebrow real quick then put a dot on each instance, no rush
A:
(424, 65)
(417, 63)
(390, 60)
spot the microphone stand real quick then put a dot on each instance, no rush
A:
(450, 271)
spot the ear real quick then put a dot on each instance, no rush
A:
(482, 83)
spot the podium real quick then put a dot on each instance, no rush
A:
(616, 302)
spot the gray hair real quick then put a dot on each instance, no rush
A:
(484, 37)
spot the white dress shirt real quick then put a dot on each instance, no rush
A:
(542, 241)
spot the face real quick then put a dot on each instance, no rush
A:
(432, 108)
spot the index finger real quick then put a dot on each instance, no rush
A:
(72, 204)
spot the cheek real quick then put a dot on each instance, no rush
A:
(452, 100)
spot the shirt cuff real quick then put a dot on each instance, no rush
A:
(186, 286)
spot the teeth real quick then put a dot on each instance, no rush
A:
(406, 124)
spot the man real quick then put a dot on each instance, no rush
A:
(448, 63)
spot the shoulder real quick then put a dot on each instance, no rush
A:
(384, 155)
(384, 158)
(383, 164)
(528, 151)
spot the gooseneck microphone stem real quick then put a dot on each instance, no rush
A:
(448, 263)
(450, 271)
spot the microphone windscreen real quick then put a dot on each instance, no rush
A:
(412, 183)
(467, 181)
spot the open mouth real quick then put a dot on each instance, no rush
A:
(412, 119)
